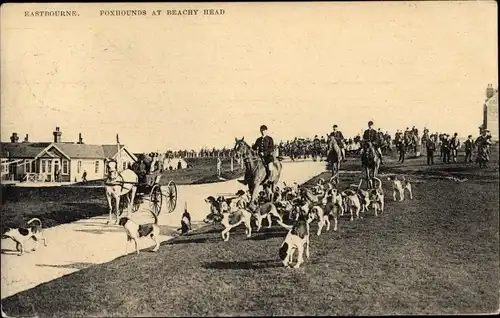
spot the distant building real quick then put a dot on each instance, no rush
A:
(174, 164)
(490, 112)
(42, 161)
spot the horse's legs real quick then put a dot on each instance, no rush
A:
(132, 198)
(117, 205)
(110, 205)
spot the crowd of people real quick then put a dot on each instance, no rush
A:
(404, 142)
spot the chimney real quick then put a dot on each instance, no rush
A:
(26, 139)
(14, 138)
(57, 135)
(490, 91)
(80, 139)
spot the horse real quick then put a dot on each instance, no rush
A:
(371, 163)
(334, 157)
(118, 184)
(255, 170)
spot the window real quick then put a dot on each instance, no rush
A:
(44, 166)
(27, 166)
(33, 166)
(124, 166)
(97, 167)
(79, 166)
(65, 166)
(49, 166)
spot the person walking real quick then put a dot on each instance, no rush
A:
(84, 176)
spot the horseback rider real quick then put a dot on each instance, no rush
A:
(339, 137)
(264, 145)
(370, 135)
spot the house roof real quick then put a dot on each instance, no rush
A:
(75, 151)
(110, 150)
(72, 150)
(22, 150)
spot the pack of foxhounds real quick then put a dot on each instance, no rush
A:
(299, 205)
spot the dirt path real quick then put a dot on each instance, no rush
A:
(75, 246)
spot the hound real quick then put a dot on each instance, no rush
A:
(318, 212)
(377, 198)
(296, 239)
(135, 231)
(352, 202)
(23, 235)
(264, 211)
(214, 210)
(237, 217)
(399, 186)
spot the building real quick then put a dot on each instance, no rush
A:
(174, 164)
(57, 160)
(490, 112)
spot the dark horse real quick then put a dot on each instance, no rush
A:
(334, 157)
(255, 168)
(371, 163)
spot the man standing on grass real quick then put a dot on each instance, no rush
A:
(469, 147)
(445, 144)
(430, 147)
(219, 167)
(84, 176)
(402, 151)
(454, 145)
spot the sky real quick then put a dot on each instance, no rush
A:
(171, 82)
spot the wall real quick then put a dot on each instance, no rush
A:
(492, 117)
(89, 166)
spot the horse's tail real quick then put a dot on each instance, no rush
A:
(359, 185)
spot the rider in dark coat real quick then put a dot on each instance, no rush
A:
(339, 137)
(370, 135)
(264, 145)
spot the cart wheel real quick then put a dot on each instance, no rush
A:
(156, 199)
(171, 196)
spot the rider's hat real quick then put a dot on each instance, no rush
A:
(370, 123)
(335, 126)
(469, 136)
(263, 127)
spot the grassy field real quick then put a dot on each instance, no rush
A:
(436, 254)
(53, 206)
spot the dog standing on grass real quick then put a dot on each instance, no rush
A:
(399, 185)
(135, 231)
(23, 235)
(377, 198)
(296, 239)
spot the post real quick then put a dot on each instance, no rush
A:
(118, 163)
(232, 168)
